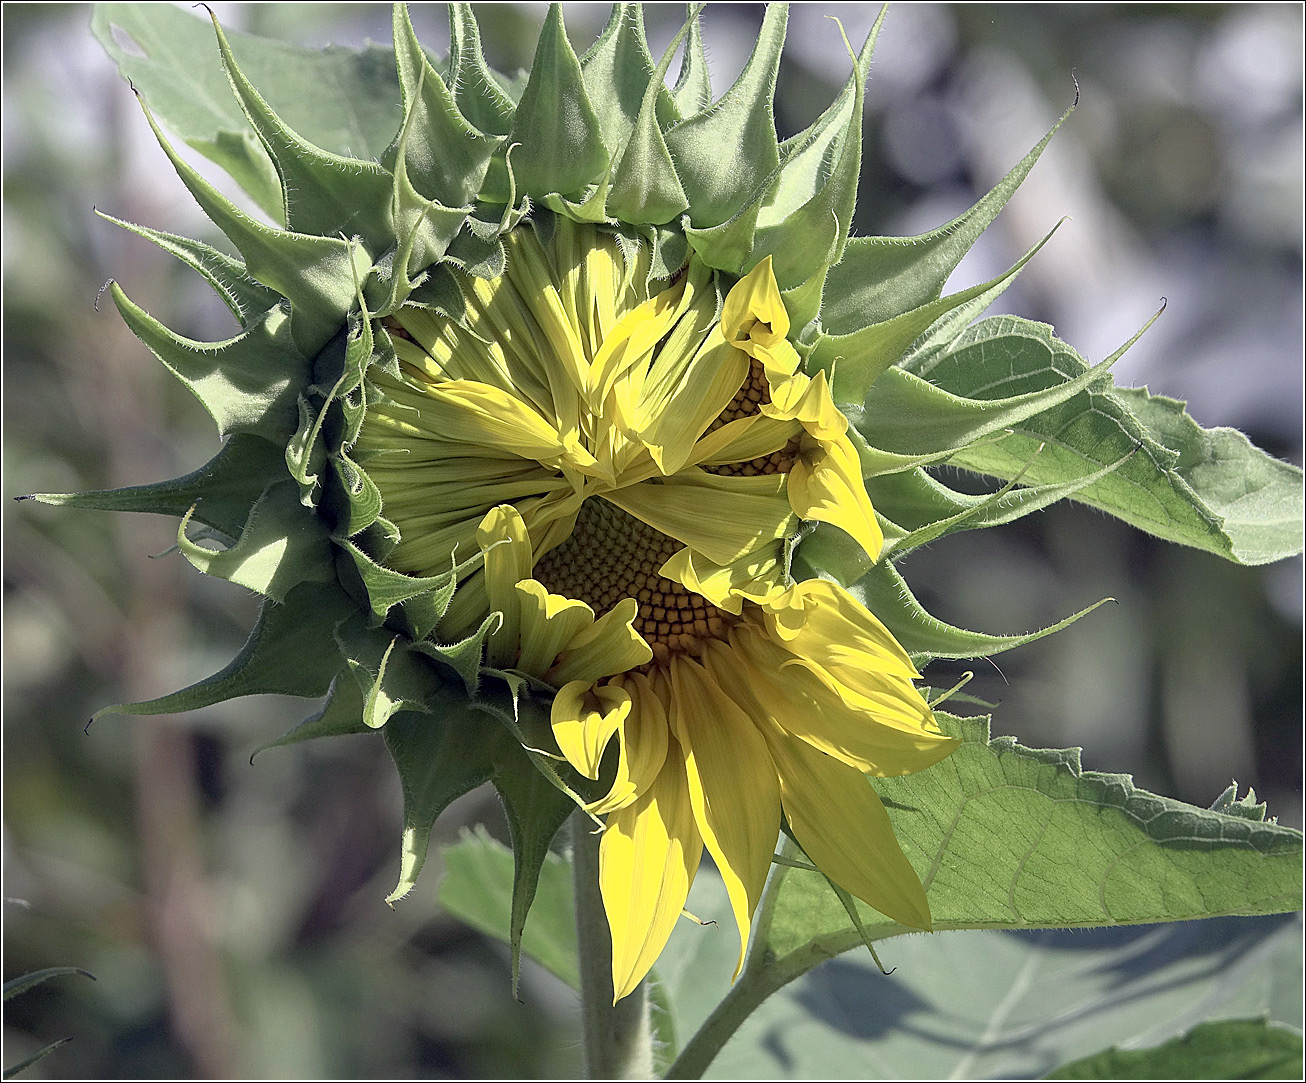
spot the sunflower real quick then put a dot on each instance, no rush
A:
(533, 406)
(630, 466)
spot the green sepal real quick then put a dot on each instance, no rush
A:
(885, 593)
(726, 155)
(387, 588)
(447, 163)
(246, 297)
(536, 809)
(805, 224)
(881, 277)
(341, 714)
(476, 91)
(1211, 489)
(907, 415)
(463, 656)
(169, 56)
(281, 545)
(247, 384)
(562, 150)
(693, 90)
(439, 756)
(284, 655)
(351, 488)
(306, 452)
(970, 512)
(221, 492)
(391, 677)
(318, 275)
(618, 72)
(645, 188)
(323, 193)
(859, 358)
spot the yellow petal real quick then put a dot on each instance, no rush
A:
(671, 419)
(825, 484)
(503, 539)
(841, 824)
(485, 417)
(584, 719)
(608, 646)
(750, 437)
(818, 619)
(755, 299)
(895, 737)
(754, 576)
(644, 740)
(647, 860)
(548, 623)
(732, 786)
(743, 514)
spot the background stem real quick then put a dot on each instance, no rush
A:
(618, 1038)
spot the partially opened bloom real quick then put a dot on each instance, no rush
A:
(540, 394)
(631, 466)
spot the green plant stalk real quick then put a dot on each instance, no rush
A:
(618, 1038)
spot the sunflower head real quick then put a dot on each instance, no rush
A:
(523, 425)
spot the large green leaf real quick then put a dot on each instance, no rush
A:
(171, 57)
(1005, 837)
(1232, 1049)
(992, 1005)
(477, 887)
(1207, 488)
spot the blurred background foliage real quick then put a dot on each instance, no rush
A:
(233, 913)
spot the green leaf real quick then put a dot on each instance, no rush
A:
(1206, 488)
(477, 888)
(352, 110)
(27, 1062)
(1014, 838)
(1232, 1049)
(990, 1005)
(14, 986)
(1005, 837)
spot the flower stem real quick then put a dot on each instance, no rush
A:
(618, 1038)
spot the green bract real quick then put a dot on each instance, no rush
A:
(285, 509)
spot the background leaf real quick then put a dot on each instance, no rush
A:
(171, 57)
(1211, 489)
(1010, 837)
(1232, 1049)
(1000, 1005)
(477, 887)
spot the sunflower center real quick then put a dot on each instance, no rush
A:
(611, 555)
(748, 400)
